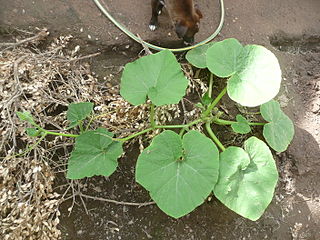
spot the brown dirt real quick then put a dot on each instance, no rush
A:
(290, 28)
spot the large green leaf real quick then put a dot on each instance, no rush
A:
(179, 174)
(158, 77)
(280, 129)
(247, 178)
(241, 126)
(254, 70)
(197, 56)
(223, 57)
(258, 77)
(78, 112)
(95, 153)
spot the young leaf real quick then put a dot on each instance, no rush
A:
(254, 70)
(241, 126)
(247, 178)
(157, 76)
(32, 132)
(26, 116)
(179, 174)
(197, 56)
(206, 100)
(223, 57)
(95, 153)
(280, 130)
(78, 111)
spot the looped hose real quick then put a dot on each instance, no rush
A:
(158, 48)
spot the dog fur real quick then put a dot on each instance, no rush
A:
(184, 15)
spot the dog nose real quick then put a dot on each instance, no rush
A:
(188, 40)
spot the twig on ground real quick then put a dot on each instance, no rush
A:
(145, 47)
(39, 36)
(81, 58)
(109, 200)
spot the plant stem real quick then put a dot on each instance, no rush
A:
(227, 122)
(157, 127)
(214, 103)
(196, 75)
(133, 135)
(153, 124)
(29, 148)
(59, 134)
(210, 85)
(180, 126)
(182, 132)
(81, 126)
(214, 137)
(89, 123)
(256, 124)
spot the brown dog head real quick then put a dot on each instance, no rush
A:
(187, 27)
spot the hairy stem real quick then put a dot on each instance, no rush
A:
(182, 132)
(133, 135)
(227, 122)
(180, 126)
(210, 85)
(81, 126)
(29, 148)
(214, 103)
(59, 134)
(152, 122)
(157, 127)
(214, 137)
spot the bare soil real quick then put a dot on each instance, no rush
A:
(289, 28)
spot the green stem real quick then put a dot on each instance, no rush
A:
(180, 126)
(227, 122)
(210, 85)
(89, 123)
(153, 124)
(29, 148)
(214, 103)
(214, 137)
(156, 127)
(81, 126)
(133, 135)
(182, 132)
(59, 134)
(256, 124)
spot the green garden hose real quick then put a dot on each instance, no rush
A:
(158, 48)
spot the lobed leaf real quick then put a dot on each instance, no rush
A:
(78, 112)
(241, 126)
(279, 131)
(206, 100)
(178, 173)
(158, 77)
(32, 132)
(95, 153)
(247, 178)
(26, 116)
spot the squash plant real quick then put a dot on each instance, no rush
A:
(181, 170)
